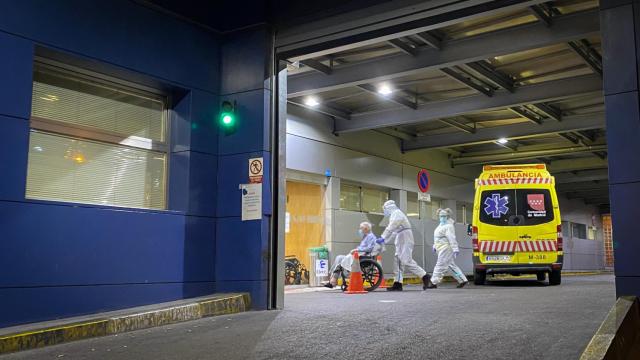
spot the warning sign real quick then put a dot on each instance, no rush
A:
(256, 170)
(423, 181)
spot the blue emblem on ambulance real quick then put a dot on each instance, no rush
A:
(496, 206)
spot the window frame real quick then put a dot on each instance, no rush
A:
(361, 187)
(81, 132)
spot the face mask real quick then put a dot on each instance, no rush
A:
(360, 233)
(443, 220)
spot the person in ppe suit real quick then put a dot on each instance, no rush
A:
(399, 230)
(445, 244)
(343, 263)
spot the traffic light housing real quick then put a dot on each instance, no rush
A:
(228, 118)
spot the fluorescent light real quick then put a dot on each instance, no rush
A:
(311, 101)
(502, 141)
(384, 90)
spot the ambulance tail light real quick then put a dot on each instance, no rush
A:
(559, 238)
(474, 238)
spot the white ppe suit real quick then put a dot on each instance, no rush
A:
(399, 229)
(444, 242)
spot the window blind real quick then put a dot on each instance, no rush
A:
(63, 168)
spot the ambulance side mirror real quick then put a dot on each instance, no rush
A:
(469, 229)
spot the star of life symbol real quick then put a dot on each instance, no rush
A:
(496, 205)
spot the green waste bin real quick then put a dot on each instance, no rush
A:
(319, 263)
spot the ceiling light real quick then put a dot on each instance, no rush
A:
(311, 101)
(384, 90)
(502, 141)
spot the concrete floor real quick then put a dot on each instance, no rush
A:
(505, 320)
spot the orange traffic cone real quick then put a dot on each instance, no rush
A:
(383, 284)
(355, 279)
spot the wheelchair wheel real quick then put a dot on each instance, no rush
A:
(371, 274)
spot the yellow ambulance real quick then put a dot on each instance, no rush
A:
(516, 227)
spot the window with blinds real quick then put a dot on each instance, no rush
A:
(96, 142)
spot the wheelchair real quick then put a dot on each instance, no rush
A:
(372, 274)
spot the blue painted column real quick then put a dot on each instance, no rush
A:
(242, 248)
(620, 25)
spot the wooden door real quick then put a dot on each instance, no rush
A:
(306, 220)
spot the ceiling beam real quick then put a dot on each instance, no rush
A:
(497, 78)
(524, 113)
(431, 111)
(470, 159)
(539, 12)
(457, 52)
(585, 55)
(396, 133)
(394, 97)
(513, 146)
(378, 23)
(467, 81)
(460, 126)
(430, 39)
(403, 46)
(570, 137)
(323, 109)
(548, 111)
(513, 131)
(317, 66)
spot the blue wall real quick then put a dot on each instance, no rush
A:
(620, 20)
(61, 259)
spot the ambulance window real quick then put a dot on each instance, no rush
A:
(535, 206)
(496, 206)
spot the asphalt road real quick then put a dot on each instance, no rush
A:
(505, 320)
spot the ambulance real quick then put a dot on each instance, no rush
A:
(516, 227)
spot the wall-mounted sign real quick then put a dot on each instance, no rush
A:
(251, 201)
(322, 267)
(423, 181)
(256, 170)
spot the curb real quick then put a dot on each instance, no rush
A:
(212, 306)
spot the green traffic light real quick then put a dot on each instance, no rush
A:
(227, 119)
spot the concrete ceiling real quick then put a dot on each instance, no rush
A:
(532, 75)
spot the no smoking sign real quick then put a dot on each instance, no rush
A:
(256, 170)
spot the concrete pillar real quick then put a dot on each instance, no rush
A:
(400, 197)
(620, 25)
(331, 204)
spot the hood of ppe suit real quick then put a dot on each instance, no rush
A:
(389, 207)
(398, 221)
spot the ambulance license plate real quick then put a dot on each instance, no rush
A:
(498, 258)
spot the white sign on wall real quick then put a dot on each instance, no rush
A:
(424, 197)
(251, 201)
(322, 267)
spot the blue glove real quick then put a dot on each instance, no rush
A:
(455, 254)
(434, 249)
(380, 240)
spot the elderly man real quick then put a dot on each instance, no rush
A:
(343, 262)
